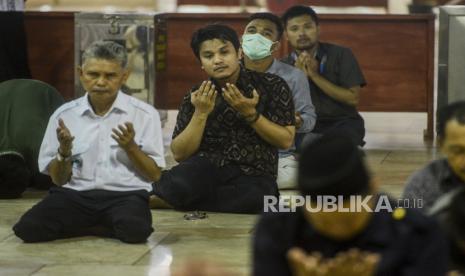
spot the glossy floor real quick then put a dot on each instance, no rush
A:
(395, 148)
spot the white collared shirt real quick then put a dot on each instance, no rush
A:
(98, 161)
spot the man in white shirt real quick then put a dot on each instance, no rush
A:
(103, 151)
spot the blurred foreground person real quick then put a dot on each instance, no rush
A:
(362, 234)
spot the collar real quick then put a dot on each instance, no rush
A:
(274, 66)
(120, 104)
(11, 152)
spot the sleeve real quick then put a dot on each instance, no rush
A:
(269, 258)
(303, 102)
(416, 187)
(280, 107)
(49, 146)
(152, 140)
(184, 115)
(351, 74)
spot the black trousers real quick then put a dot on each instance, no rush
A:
(197, 184)
(65, 213)
(13, 47)
(353, 127)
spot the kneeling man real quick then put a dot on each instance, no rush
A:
(103, 151)
(228, 132)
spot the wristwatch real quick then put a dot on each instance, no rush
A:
(61, 158)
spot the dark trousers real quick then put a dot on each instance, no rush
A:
(13, 47)
(68, 213)
(197, 184)
(353, 127)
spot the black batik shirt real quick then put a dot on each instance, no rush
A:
(228, 139)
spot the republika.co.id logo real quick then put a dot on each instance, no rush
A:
(331, 203)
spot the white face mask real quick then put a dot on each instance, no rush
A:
(256, 46)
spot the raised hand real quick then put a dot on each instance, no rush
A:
(353, 263)
(298, 120)
(303, 264)
(245, 106)
(64, 138)
(124, 135)
(307, 63)
(203, 99)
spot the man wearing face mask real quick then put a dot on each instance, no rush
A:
(260, 39)
(333, 73)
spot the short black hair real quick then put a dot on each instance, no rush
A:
(270, 17)
(333, 165)
(299, 10)
(15, 176)
(453, 111)
(213, 31)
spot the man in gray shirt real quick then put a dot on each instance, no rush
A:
(260, 39)
(443, 175)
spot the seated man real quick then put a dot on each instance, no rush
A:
(103, 151)
(261, 37)
(443, 175)
(366, 237)
(228, 132)
(450, 210)
(25, 107)
(333, 73)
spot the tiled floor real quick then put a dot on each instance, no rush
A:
(395, 149)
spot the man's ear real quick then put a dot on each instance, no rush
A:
(126, 74)
(286, 39)
(240, 54)
(275, 46)
(79, 71)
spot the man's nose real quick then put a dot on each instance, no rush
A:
(217, 59)
(101, 81)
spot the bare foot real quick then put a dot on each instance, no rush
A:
(157, 203)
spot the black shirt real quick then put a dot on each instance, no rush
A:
(228, 139)
(339, 66)
(413, 245)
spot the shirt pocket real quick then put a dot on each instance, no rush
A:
(81, 162)
(118, 157)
